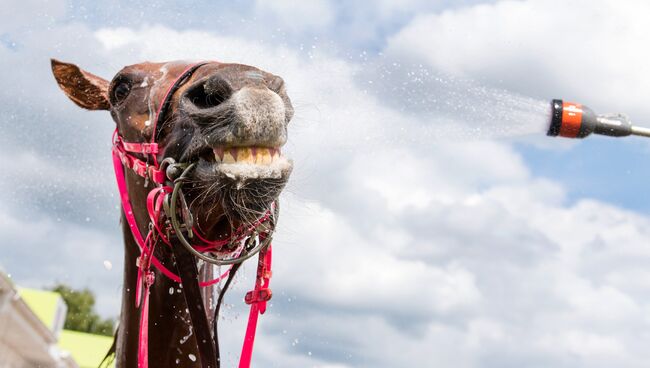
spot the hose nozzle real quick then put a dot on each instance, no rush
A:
(573, 120)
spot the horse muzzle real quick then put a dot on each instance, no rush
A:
(252, 116)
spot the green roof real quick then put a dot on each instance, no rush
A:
(88, 350)
(43, 304)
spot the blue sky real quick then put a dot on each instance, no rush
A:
(428, 221)
(607, 169)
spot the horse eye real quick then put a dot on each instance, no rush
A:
(121, 91)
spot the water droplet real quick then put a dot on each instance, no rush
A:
(108, 265)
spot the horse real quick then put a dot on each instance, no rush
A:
(199, 167)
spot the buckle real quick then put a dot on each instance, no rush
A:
(142, 261)
(258, 296)
(149, 278)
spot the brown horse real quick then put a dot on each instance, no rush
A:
(228, 119)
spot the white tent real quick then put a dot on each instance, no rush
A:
(25, 341)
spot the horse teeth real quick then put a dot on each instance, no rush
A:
(218, 154)
(233, 153)
(251, 155)
(264, 157)
(228, 158)
(245, 155)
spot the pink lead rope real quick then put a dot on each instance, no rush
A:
(257, 298)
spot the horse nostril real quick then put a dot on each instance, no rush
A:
(210, 93)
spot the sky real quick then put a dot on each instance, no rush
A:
(428, 221)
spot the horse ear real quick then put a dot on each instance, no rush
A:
(83, 88)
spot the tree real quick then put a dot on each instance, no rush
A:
(81, 315)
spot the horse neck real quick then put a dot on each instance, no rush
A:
(170, 334)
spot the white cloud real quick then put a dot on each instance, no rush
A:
(449, 253)
(586, 50)
(40, 252)
(363, 276)
(585, 345)
(395, 249)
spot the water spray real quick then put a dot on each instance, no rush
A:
(573, 120)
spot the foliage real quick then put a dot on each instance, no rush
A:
(81, 315)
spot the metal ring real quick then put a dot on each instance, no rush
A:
(172, 169)
(178, 183)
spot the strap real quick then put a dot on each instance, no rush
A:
(144, 148)
(135, 230)
(145, 279)
(164, 105)
(257, 298)
(143, 332)
(142, 168)
(130, 216)
(186, 266)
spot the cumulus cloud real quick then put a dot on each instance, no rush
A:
(43, 250)
(587, 50)
(394, 249)
(452, 252)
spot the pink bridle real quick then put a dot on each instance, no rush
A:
(123, 158)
